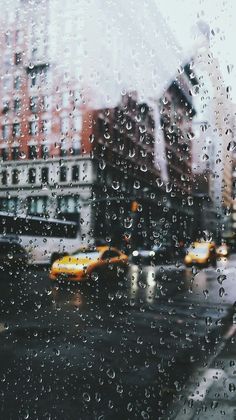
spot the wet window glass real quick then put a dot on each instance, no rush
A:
(117, 209)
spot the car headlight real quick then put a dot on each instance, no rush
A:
(152, 254)
(135, 253)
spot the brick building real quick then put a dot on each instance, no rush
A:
(122, 149)
(40, 123)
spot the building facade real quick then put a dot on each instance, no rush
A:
(61, 159)
(176, 116)
(43, 171)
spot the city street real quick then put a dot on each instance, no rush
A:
(123, 347)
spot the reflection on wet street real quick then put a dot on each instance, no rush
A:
(138, 335)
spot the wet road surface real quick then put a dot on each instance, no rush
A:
(122, 347)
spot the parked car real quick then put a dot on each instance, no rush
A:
(84, 262)
(201, 253)
(157, 254)
(12, 255)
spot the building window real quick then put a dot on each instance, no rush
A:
(33, 151)
(17, 105)
(15, 153)
(76, 145)
(7, 38)
(15, 176)
(33, 79)
(3, 204)
(46, 103)
(18, 58)
(78, 97)
(63, 174)
(33, 128)
(12, 204)
(7, 59)
(32, 175)
(9, 204)
(68, 204)
(64, 125)
(77, 123)
(17, 83)
(37, 205)
(6, 106)
(34, 54)
(19, 36)
(65, 100)
(7, 81)
(33, 103)
(46, 126)
(5, 131)
(75, 173)
(63, 149)
(44, 175)
(4, 177)
(16, 130)
(4, 154)
(43, 77)
(44, 151)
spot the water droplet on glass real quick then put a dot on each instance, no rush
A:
(131, 153)
(190, 201)
(231, 146)
(86, 396)
(111, 373)
(115, 185)
(136, 185)
(168, 187)
(22, 155)
(195, 90)
(102, 164)
(221, 278)
(231, 387)
(143, 168)
(107, 135)
(205, 157)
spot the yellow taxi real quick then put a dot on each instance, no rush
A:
(87, 261)
(201, 253)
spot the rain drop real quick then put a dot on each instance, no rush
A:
(115, 185)
(221, 278)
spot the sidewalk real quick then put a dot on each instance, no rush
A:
(211, 392)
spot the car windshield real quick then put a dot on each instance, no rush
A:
(198, 250)
(92, 255)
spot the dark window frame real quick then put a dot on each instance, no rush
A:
(45, 175)
(32, 152)
(32, 175)
(75, 173)
(15, 177)
(63, 174)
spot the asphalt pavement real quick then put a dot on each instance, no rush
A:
(126, 346)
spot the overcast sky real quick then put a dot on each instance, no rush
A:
(126, 43)
(112, 46)
(181, 16)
